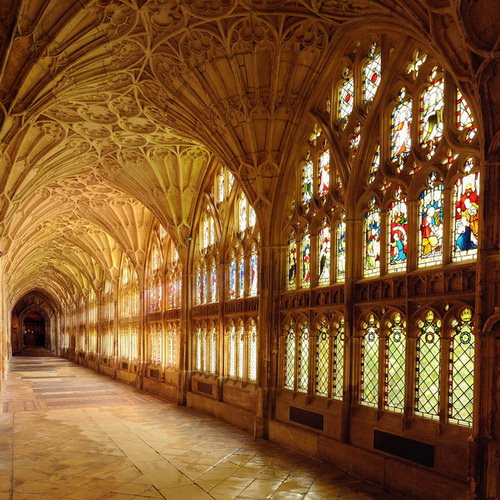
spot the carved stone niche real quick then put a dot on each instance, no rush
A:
(453, 281)
(374, 292)
(387, 290)
(399, 288)
(436, 283)
(417, 285)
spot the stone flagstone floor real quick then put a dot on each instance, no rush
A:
(68, 432)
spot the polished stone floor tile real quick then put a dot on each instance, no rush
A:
(67, 432)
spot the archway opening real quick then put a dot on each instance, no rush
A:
(34, 330)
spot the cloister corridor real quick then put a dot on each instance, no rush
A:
(68, 432)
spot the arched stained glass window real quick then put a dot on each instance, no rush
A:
(212, 348)
(395, 356)
(346, 96)
(155, 343)
(430, 209)
(199, 285)
(292, 262)
(338, 359)
(289, 361)
(243, 213)
(466, 217)
(240, 351)
(213, 282)
(232, 276)
(241, 273)
(252, 351)
(254, 270)
(324, 239)
(303, 359)
(305, 268)
(431, 113)
(307, 181)
(375, 165)
(372, 72)
(324, 173)
(232, 351)
(369, 362)
(398, 233)
(465, 120)
(401, 128)
(340, 241)
(322, 364)
(427, 377)
(461, 370)
(371, 242)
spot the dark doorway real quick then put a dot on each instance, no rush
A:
(34, 330)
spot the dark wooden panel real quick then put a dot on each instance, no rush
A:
(305, 417)
(204, 387)
(420, 453)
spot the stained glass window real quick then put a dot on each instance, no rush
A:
(338, 360)
(155, 336)
(232, 351)
(371, 243)
(307, 181)
(466, 217)
(198, 349)
(252, 218)
(221, 181)
(375, 165)
(465, 120)
(241, 277)
(206, 296)
(394, 376)
(199, 286)
(322, 359)
(418, 59)
(289, 375)
(252, 351)
(398, 233)
(355, 139)
(431, 114)
(205, 232)
(346, 96)
(401, 128)
(427, 377)
(213, 348)
(213, 282)
(369, 362)
(305, 248)
(324, 173)
(292, 262)
(232, 276)
(303, 359)
(324, 254)
(243, 213)
(430, 208)
(240, 350)
(461, 371)
(254, 270)
(340, 239)
(372, 73)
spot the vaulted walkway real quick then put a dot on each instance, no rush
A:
(67, 432)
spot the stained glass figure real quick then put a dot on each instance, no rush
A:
(324, 173)
(338, 360)
(398, 233)
(292, 262)
(427, 376)
(252, 351)
(346, 97)
(369, 362)
(232, 276)
(340, 239)
(254, 270)
(243, 213)
(371, 246)
(322, 359)
(375, 165)
(401, 128)
(461, 370)
(431, 114)
(394, 370)
(232, 351)
(324, 238)
(355, 139)
(290, 348)
(213, 283)
(240, 351)
(303, 359)
(199, 286)
(305, 248)
(466, 217)
(465, 120)
(241, 277)
(430, 208)
(372, 73)
(307, 181)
